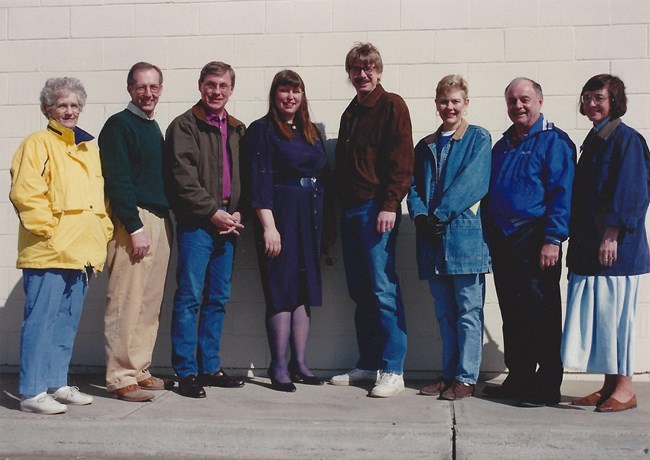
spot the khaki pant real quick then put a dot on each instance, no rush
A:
(133, 300)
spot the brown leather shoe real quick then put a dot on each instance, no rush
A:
(152, 383)
(457, 390)
(435, 388)
(132, 393)
(594, 399)
(613, 405)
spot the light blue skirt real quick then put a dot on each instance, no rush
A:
(599, 326)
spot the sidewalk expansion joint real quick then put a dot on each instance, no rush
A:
(453, 431)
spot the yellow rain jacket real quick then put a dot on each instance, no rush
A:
(57, 189)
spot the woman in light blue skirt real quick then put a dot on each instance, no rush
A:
(608, 246)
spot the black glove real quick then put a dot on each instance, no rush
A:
(430, 227)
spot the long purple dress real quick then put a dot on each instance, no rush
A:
(287, 177)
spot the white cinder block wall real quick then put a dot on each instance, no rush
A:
(559, 43)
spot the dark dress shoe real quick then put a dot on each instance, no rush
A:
(614, 405)
(189, 386)
(539, 401)
(288, 387)
(220, 379)
(299, 377)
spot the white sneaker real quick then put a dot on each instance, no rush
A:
(388, 385)
(42, 404)
(355, 376)
(72, 395)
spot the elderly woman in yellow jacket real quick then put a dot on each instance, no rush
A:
(58, 192)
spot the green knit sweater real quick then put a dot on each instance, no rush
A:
(131, 150)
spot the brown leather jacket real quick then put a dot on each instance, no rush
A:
(374, 151)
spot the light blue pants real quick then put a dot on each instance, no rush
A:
(53, 304)
(459, 303)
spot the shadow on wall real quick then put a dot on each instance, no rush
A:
(244, 345)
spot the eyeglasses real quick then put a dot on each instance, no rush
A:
(598, 99)
(63, 108)
(213, 87)
(141, 89)
(369, 70)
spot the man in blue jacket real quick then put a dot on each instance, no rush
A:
(527, 216)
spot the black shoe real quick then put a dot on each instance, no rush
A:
(220, 379)
(298, 377)
(538, 401)
(280, 386)
(189, 386)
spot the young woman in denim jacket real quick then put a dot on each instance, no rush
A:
(452, 174)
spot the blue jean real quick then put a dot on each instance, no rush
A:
(369, 259)
(53, 305)
(459, 301)
(203, 274)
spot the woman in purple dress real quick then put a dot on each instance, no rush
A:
(288, 162)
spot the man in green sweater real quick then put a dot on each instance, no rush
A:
(131, 150)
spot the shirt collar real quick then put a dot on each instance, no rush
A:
(131, 107)
(600, 125)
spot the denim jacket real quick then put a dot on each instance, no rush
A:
(452, 193)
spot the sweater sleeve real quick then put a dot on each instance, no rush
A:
(116, 166)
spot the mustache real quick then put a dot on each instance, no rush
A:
(361, 79)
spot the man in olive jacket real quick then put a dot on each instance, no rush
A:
(202, 175)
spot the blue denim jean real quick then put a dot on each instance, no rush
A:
(203, 274)
(369, 259)
(459, 301)
(53, 305)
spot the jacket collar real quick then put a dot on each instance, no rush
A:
(199, 112)
(609, 128)
(542, 124)
(458, 135)
(371, 99)
(67, 135)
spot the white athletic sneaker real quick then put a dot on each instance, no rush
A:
(72, 395)
(355, 376)
(388, 385)
(42, 404)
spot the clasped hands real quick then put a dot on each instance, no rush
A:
(430, 227)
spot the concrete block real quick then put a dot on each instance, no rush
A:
(22, 3)
(248, 112)
(423, 116)
(18, 121)
(265, 50)
(420, 81)
(88, 55)
(253, 85)
(575, 13)
(416, 14)
(226, 18)
(574, 75)
(490, 113)
(105, 21)
(503, 13)
(540, 44)
(8, 243)
(70, 2)
(20, 56)
(122, 53)
(326, 49)
(195, 52)
(169, 20)
(309, 17)
(630, 12)
(104, 86)
(329, 113)
(31, 23)
(634, 74)
(25, 89)
(491, 79)
(4, 94)
(318, 82)
(403, 47)
(614, 42)
(561, 110)
(469, 46)
(356, 15)
(3, 20)
(638, 110)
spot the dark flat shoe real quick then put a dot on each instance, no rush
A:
(189, 386)
(306, 379)
(220, 379)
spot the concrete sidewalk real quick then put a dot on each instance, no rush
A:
(325, 422)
